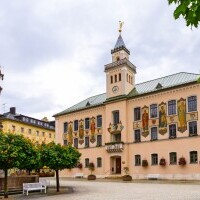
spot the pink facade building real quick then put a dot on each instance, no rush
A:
(151, 127)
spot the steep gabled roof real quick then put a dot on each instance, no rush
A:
(141, 88)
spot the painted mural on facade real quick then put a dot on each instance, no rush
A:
(69, 135)
(145, 121)
(92, 130)
(162, 118)
(182, 124)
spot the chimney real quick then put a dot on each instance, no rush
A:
(13, 110)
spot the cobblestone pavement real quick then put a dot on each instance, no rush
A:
(96, 190)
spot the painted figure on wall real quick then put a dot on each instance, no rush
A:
(92, 126)
(145, 121)
(81, 130)
(92, 130)
(182, 125)
(162, 118)
(70, 136)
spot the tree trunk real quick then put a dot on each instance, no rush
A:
(6, 183)
(57, 181)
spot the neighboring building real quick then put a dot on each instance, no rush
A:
(37, 130)
(154, 122)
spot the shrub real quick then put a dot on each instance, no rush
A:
(162, 162)
(144, 163)
(182, 161)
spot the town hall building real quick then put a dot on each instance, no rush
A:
(151, 127)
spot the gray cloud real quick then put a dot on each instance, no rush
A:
(54, 52)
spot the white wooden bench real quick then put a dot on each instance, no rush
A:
(153, 176)
(33, 187)
(78, 175)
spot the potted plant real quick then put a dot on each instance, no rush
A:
(91, 168)
(80, 165)
(126, 177)
(162, 162)
(182, 161)
(144, 163)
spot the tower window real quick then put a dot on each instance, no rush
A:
(118, 58)
(115, 78)
(111, 79)
(120, 77)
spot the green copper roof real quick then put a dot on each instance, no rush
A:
(141, 88)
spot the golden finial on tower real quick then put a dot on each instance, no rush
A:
(120, 26)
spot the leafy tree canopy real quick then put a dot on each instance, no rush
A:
(189, 9)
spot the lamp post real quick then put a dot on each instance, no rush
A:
(1, 78)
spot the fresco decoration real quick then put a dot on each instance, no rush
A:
(81, 141)
(181, 107)
(81, 129)
(92, 130)
(115, 128)
(70, 133)
(145, 121)
(162, 118)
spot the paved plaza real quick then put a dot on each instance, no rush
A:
(114, 190)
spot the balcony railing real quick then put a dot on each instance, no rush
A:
(114, 147)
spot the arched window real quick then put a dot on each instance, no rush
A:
(111, 79)
(118, 58)
(120, 77)
(115, 78)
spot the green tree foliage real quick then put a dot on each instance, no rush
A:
(15, 152)
(189, 9)
(59, 157)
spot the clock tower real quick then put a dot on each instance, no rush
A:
(120, 74)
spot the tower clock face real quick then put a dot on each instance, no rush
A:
(115, 89)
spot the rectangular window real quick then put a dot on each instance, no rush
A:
(29, 131)
(87, 123)
(193, 157)
(137, 114)
(65, 127)
(172, 107)
(117, 137)
(154, 159)
(76, 125)
(192, 103)
(116, 117)
(49, 135)
(87, 143)
(172, 158)
(13, 128)
(153, 110)
(137, 160)
(43, 134)
(99, 121)
(137, 135)
(154, 133)
(65, 142)
(76, 143)
(86, 162)
(37, 133)
(99, 140)
(172, 131)
(22, 130)
(99, 162)
(120, 77)
(193, 128)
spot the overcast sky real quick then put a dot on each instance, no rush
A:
(53, 52)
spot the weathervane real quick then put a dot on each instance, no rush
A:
(120, 26)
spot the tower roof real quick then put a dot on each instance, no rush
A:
(120, 42)
(120, 45)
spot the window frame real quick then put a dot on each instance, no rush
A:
(99, 162)
(137, 113)
(152, 138)
(116, 118)
(87, 142)
(99, 118)
(87, 123)
(154, 160)
(152, 111)
(194, 128)
(189, 106)
(193, 158)
(171, 135)
(76, 143)
(137, 136)
(65, 127)
(171, 110)
(87, 161)
(173, 158)
(75, 127)
(137, 160)
(99, 143)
